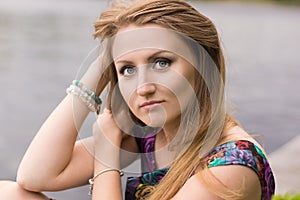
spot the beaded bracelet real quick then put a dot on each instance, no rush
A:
(88, 91)
(86, 95)
(91, 180)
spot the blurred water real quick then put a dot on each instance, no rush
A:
(42, 44)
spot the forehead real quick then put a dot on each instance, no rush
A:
(134, 38)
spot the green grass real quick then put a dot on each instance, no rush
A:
(287, 196)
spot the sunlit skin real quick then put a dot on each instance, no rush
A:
(155, 83)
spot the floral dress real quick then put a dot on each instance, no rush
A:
(241, 152)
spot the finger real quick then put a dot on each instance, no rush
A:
(106, 110)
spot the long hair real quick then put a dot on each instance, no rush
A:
(179, 16)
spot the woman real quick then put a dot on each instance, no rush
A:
(165, 68)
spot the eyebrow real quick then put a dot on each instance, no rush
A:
(149, 59)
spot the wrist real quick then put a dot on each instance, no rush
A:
(109, 174)
(86, 95)
(108, 139)
(106, 156)
(93, 77)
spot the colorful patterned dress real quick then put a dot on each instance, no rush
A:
(241, 152)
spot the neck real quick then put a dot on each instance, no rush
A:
(163, 155)
(167, 134)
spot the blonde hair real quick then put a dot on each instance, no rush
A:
(179, 16)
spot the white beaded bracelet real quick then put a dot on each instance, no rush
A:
(86, 95)
(91, 180)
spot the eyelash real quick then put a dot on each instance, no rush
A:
(157, 60)
(166, 60)
(122, 70)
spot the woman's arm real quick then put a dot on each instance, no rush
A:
(53, 152)
(108, 140)
(54, 160)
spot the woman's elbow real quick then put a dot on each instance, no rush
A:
(28, 182)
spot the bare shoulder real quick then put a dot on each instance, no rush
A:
(235, 177)
(240, 179)
(238, 133)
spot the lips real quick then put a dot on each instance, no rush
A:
(151, 104)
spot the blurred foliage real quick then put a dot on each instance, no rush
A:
(287, 196)
(286, 1)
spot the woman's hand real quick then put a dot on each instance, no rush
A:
(105, 126)
(107, 139)
(107, 144)
(96, 78)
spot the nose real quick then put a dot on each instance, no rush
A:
(146, 89)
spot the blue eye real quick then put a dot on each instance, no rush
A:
(127, 70)
(161, 63)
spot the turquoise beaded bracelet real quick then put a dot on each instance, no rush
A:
(88, 91)
(88, 96)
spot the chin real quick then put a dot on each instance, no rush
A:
(156, 124)
(156, 119)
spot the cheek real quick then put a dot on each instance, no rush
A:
(127, 89)
(181, 86)
(184, 93)
(189, 73)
